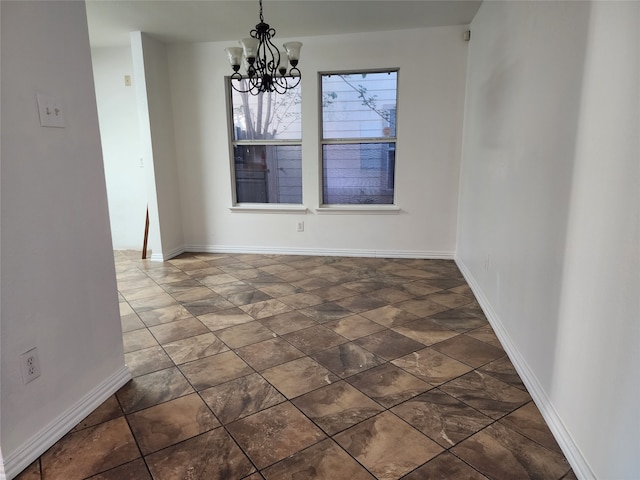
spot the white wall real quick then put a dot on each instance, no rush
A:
(430, 112)
(57, 277)
(153, 94)
(121, 150)
(548, 219)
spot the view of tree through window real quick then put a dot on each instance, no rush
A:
(358, 137)
(267, 153)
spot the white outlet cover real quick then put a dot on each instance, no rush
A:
(50, 109)
(30, 371)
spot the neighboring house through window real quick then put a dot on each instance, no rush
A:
(266, 141)
(358, 137)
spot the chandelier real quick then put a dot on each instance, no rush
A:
(265, 65)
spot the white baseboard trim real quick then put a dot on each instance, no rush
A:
(321, 252)
(27, 453)
(571, 451)
(163, 257)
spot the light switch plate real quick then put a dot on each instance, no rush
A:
(50, 109)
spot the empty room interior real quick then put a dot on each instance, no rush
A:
(404, 244)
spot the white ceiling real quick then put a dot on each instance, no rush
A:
(175, 21)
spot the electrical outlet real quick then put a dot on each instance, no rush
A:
(30, 365)
(300, 227)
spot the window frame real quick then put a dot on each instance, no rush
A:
(343, 208)
(252, 207)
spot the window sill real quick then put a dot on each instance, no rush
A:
(268, 208)
(359, 210)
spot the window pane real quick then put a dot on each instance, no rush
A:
(268, 173)
(358, 173)
(267, 116)
(359, 105)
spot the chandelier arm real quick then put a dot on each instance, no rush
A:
(266, 72)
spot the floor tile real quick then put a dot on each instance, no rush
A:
(194, 348)
(136, 470)
(347, 359)
(392, 295)
(274, 434)
(142, 292)
(420, 288)
(361, 303)
(487, 394)
(278, 290)
(137, 340)
(131, 322)
(445, 467)
(422, 307)
(354, 326)
(193, 294)
(241, 397)
(224, 319)
(147, 360)
(268, 353)
(485, 334)
(183, 286)
(81, 454)
(337, 407)
(160, 300)
(314, 339)
(333, 292)
(459, 324)
(266, 308)
(441, 417)
(389, 344)
(388, 385)
(109, 410)
(425, 331)
(213, 280)
(152, 389)
(164, 315)
(503, 369)
(431, 366)
(499, 452)
(214, 370)
(528, 421)
(245, 334)
(287, 322)
(326, 312)
(469, 350)
(389, 316)
(323, 461)
(207, 305)
(301, 300)
(192, 459)
(387, 446)
(32, 472)
(231, 288)
(449, 299)
(299, 376)
(171, 422)
(247, 297)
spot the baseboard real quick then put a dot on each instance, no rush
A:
(17, 461)
(571, 451)
(322, 252)
(163, 257)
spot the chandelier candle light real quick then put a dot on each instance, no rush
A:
(266, 65)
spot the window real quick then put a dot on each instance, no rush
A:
(266, 142)
(358, 137)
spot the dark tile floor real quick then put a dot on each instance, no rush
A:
(291, 367)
